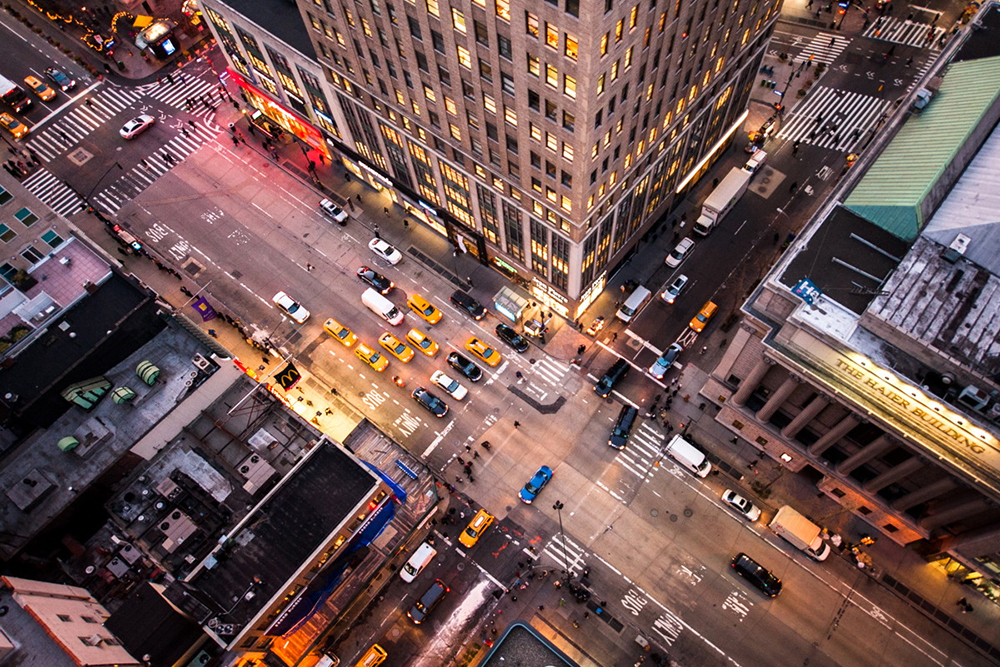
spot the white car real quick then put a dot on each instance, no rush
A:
(290, 307)
(678, 254)
(136, 126)
(338, 214)
(675, 288)
(385, 251)
(741, 505)
(454, 389)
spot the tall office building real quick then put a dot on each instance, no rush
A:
(545, 137)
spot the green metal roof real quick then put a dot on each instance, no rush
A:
(891, 192)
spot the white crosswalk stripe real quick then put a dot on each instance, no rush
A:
(79, 122)
(833, 118)
(567, 554)
(183, 87)
(133, 182)
(642, 450)
(550, 370)
(53, 192)
(823, 48)
(904, 31)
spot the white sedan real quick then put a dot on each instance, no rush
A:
(741, 505)
(136, 126)
(290, 307)
(454, 389)
(385, 251)
(679, 253)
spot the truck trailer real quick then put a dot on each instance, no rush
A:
(800, 532)
(722, 200)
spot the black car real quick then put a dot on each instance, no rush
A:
(57, 77)
(376, 280)
(511, 337)
(757, 575)
(465, 367)
(468, 304)
(432, 403)
(612, 377)
(428, 601)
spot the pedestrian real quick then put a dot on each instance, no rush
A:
(309, 267)
(734, 440)
(459, 479)
(211, 332)
(184, 132)
(236, 142)
(385, 209)
(168, 157)
(517, 424)
(191, 123)
(614, 336)
(793, 187)
(962, 602)
(833, 41)
(64, 136)
(704, 349)
(144, 163)
(460, 460)
(485, 444)
(518, 375)
(89, 103)
(541, 607)
(358, 197)
(581, 349)
(586, 614)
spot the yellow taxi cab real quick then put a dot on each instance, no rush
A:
(371, 357)
(483, 351)
(424, 308)
(340, 332)
(421, 341)
(13, 125)
(704, 315)
(373, 657)
(38, 87)
(475, 529)
(397, 347)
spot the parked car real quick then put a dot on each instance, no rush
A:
(756, 574)
(508, 335)
(430, 402)
(468, 304)
(465, 367)
(57, 77)
(454, 389)
(382, 284)
(331, 210)
(428, 601)
(665, 361)
(290, 307)
(385, 251)
(136, 126)
(535, 485)
(675, 288)
(740, 505)
(679, 253)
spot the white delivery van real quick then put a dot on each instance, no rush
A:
(418, 561)
(634, 304)
(689, 456)
(382, 307)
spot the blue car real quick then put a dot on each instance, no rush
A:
(535, 485)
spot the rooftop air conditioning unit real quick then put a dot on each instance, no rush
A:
(201, 362)
(957, 248)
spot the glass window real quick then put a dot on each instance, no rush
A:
(534, 65)
(572, 49)
(552, 76)
(7, 234)
(531, 24)
(551, 142)
(551, 35)
(482, 34)
(458, 20)
(5, 196)
(488, 103)
(504, 47)
(464, 58)
(26, 217)
(507, 83)
(432, 8)
(510, 115)
(32, 255)
(569, 86)
(429, 93)
(503, 9)
(455, 132)
(604, 44)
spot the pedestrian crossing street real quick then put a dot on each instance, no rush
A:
(108, 103)
(54, 192)
(821, 48)
(133, 182)
(833, 118)
(637, 459)
(904, 31)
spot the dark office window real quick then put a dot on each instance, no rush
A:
(438, 41)
(482, 34)
(414, 27)
(573, 7)
(505, 50)
(534, 101)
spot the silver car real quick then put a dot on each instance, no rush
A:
(740, 505)
(675, 288)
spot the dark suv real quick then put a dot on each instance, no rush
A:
(427, 602)
(468, 304)
(612, 377)
(757, 575)
(511, 337)
(623, 427)
(465, 367)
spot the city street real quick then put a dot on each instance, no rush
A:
(240, 227)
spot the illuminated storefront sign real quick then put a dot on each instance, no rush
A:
(278, 114)
(916, 416)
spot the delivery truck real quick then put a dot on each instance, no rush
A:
(722, 200)
(800, 532)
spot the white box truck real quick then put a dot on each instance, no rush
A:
(688, 456)
(800, 532)
(722, 199)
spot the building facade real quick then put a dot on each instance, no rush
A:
(546, 138)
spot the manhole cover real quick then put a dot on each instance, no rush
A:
(654, 512)
(688, 512)
(673, 517)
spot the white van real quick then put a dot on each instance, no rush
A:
(418, 561)
(689, 456)
(382, 307)
(634, 304)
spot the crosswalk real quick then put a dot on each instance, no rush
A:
(54, 192)
(550, 371)
(567, 553)
(833, 118)
(904, 31)
(141, 176)
(183, 87)
(821, 48)
(637, 461)
(72, 128)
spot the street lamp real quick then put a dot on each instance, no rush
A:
(558, 507)
(103, 176)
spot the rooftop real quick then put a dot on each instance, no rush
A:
(279, 18)
(521, 644)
